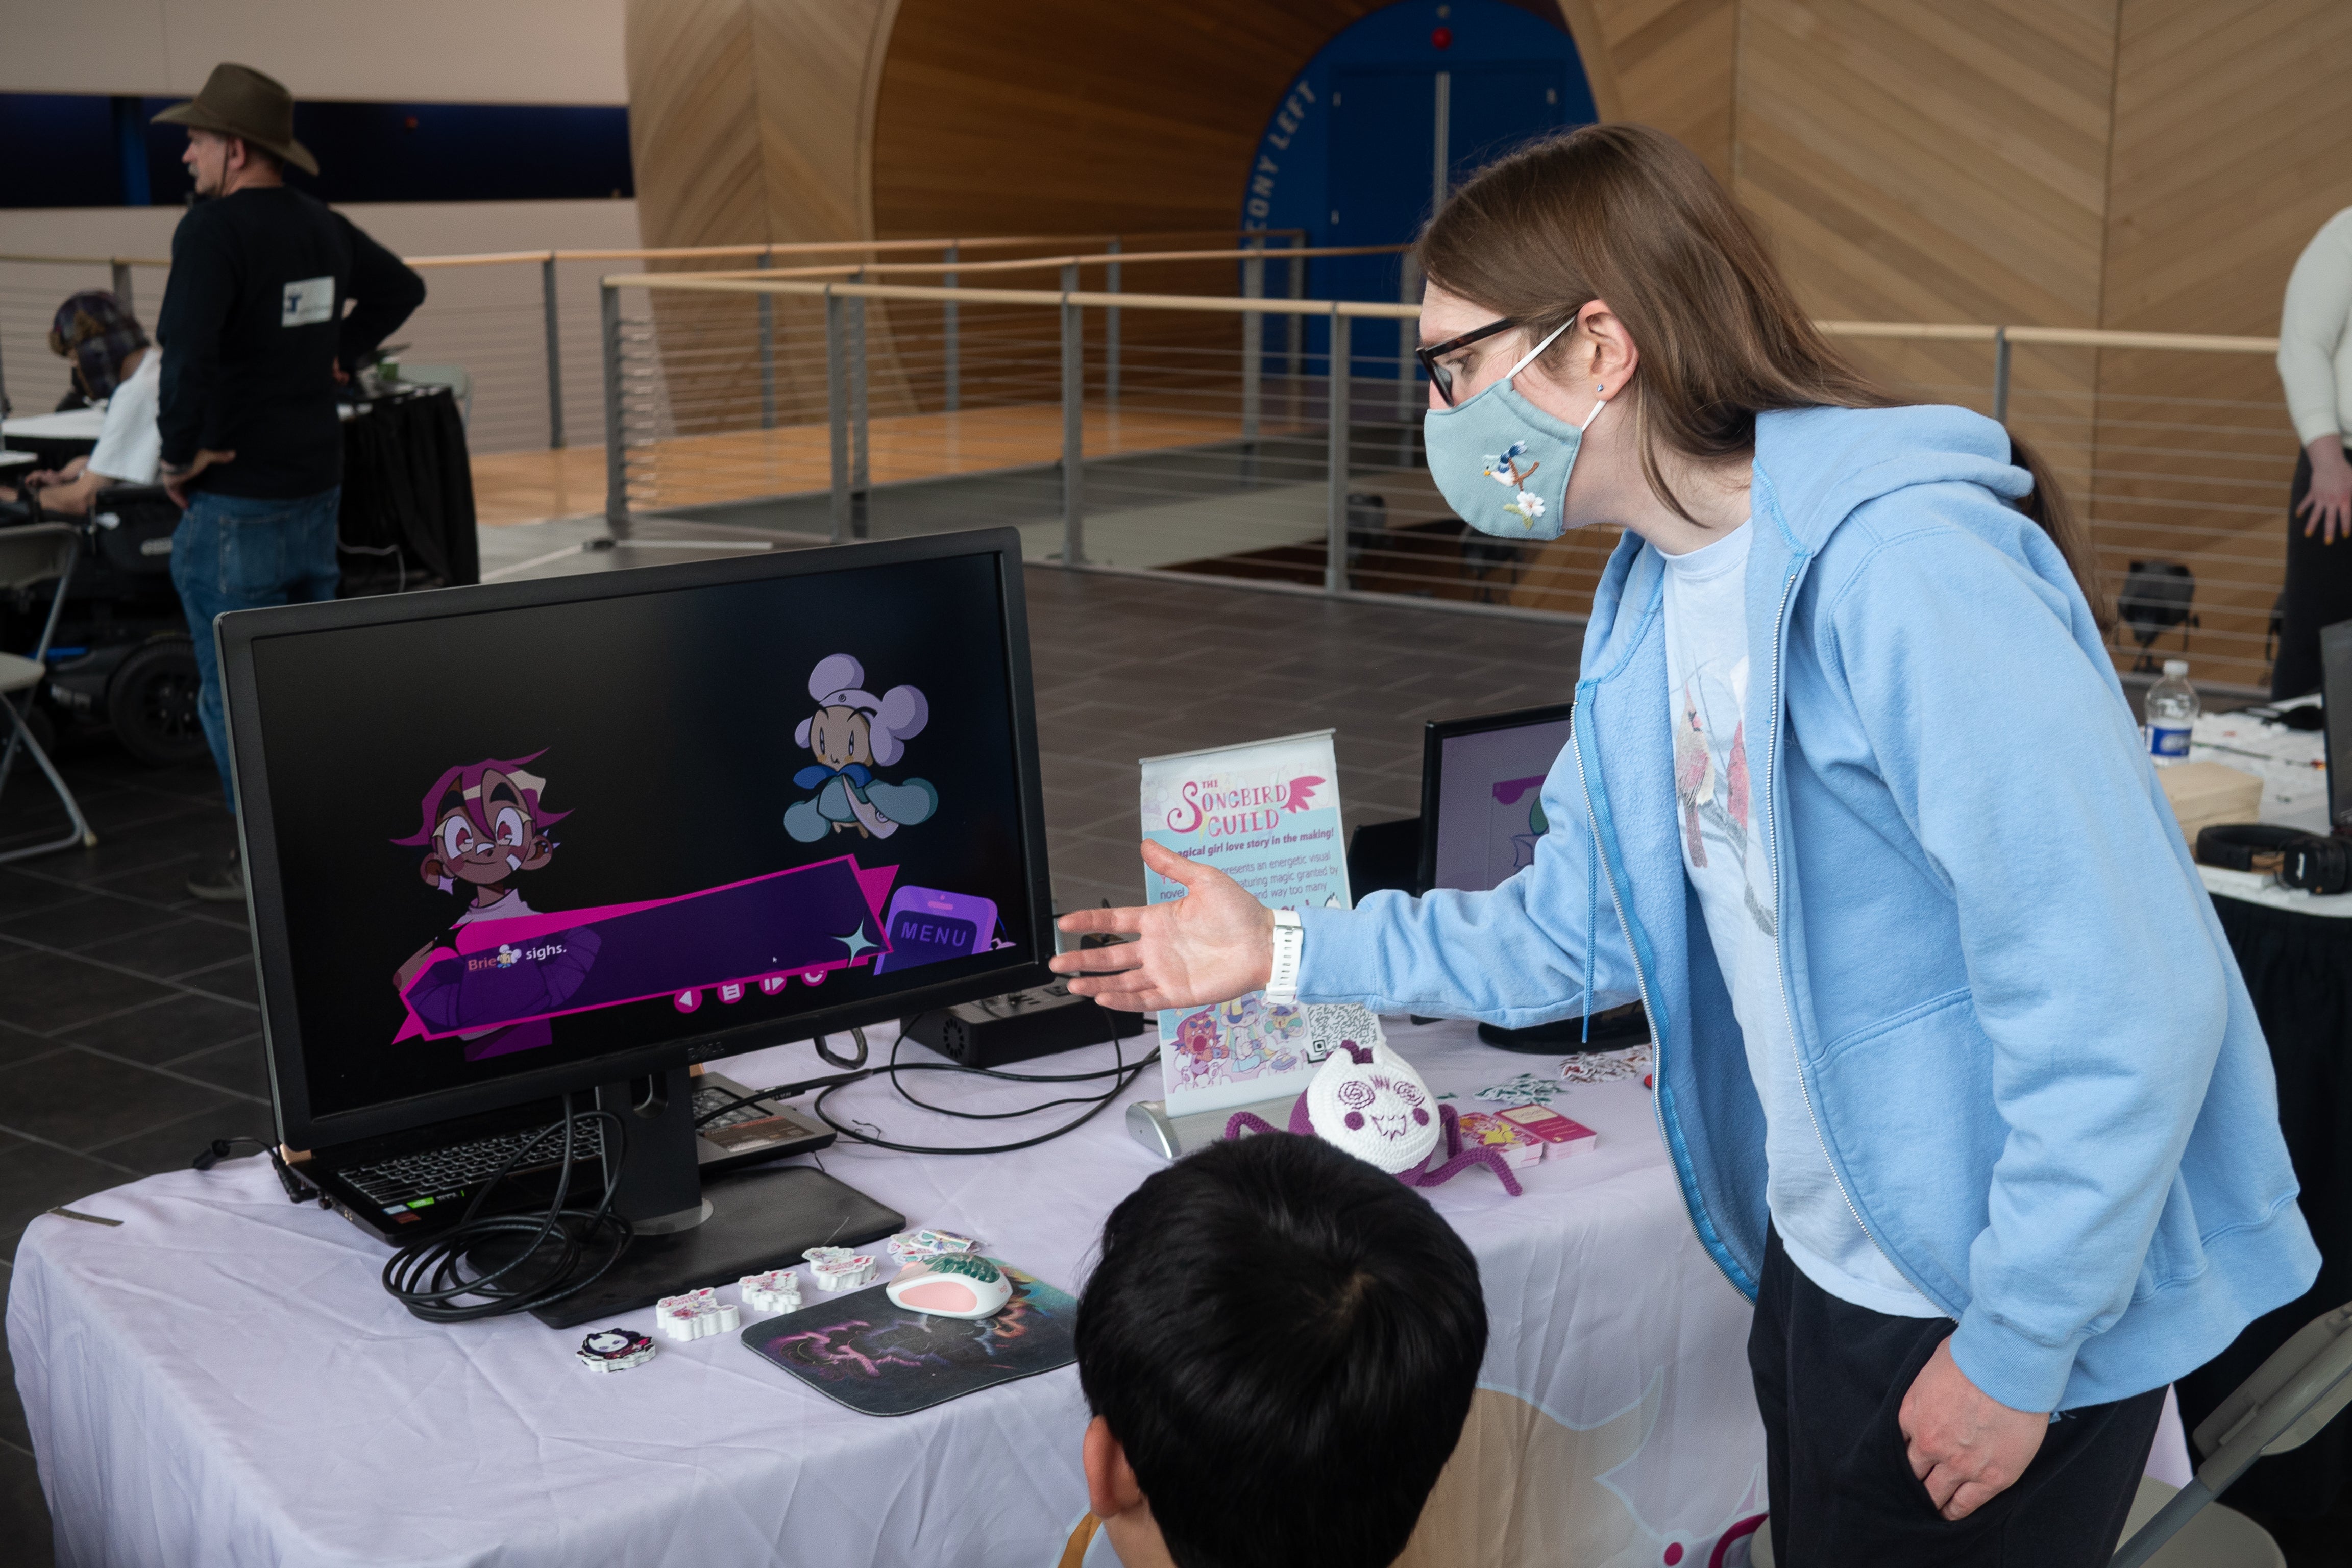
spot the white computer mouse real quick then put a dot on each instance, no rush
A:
(959, 1285)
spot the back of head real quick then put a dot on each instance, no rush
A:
(96, 334)
(1285, 1340)
(1629, 214)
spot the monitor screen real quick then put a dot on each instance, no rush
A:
(1481, 781)
(709, 808)
(2335, 699)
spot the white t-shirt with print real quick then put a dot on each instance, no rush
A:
(1718, 801)
(129, 443)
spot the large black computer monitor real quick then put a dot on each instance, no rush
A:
(508, 842)
(1480, 778)
(2336, 699)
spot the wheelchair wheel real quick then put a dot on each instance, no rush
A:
(151, 703)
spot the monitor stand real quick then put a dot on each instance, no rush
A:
(686, 1238)
(1612, 1030)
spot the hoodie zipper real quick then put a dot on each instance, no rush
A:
(1779, 960)
(1641, 982)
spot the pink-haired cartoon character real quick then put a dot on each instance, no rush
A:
(482, 824)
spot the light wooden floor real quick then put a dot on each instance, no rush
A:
(691, 470)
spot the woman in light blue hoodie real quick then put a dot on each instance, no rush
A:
(1957, 1075)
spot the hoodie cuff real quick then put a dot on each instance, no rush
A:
(2021, 1372)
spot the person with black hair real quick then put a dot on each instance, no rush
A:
(1279, 1348)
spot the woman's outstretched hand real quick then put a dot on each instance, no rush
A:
(1214, 943)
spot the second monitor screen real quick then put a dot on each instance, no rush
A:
(1489, 810)
(532, 836)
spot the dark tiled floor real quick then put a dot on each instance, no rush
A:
(124, 1046)
(129, 1036)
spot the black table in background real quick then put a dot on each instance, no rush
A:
(407, 516)
(2298, 969)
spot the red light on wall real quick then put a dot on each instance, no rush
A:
(1442, 38)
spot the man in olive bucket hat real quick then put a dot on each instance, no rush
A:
(256, 339)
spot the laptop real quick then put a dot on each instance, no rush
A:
(2335, 699)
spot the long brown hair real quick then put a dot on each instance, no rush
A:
(1629, 214)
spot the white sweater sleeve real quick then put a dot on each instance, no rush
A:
(2313, 324)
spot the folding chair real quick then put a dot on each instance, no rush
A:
(2305, 1383)
(28, 555)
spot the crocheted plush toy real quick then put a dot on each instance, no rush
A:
(1368, 1101)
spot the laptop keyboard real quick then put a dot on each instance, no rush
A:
(706, 1100)
(448, 1172)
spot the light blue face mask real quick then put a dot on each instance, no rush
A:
(1502, 463)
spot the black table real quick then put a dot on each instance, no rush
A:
(2298, 968)
(407, 517)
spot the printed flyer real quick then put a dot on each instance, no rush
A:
(1267, 815)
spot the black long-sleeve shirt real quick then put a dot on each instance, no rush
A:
(252, 326)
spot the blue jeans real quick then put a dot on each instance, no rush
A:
(244, 553)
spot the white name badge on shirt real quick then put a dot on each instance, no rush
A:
(308, 302)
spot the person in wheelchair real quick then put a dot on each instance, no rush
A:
(113, 362)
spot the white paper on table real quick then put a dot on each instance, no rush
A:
(1267, 815)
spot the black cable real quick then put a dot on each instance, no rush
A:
(297, 1189)
(1123, 1074)
(852, 1063)
(426, 1276)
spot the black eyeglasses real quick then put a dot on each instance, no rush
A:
(1439, 375)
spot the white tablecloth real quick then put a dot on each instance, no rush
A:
(222, 1379)
(73, 424)
(2293, 766)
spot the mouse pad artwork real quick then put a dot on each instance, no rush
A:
(883, 1360)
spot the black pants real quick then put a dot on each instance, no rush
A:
(2319, 593)
(1831, 1377)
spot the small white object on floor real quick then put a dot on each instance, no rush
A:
(698, 1314)
(777, 1290)
(839, 1268)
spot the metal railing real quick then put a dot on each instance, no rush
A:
(523, 324)
(1176, 433)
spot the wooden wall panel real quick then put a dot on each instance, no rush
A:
(1667, 63)
(750, 123)
(2233, 143)
(1931, 160)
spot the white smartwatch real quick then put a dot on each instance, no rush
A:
(1290, 944)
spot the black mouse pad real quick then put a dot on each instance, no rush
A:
(883, 1360)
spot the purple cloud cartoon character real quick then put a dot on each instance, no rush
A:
(851, 733)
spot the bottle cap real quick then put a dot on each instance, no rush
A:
(2174, 668)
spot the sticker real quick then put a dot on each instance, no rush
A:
(838, 1269)
(1605, 1067)
(1525, 1090)
(697, 1315)
(307, 302)
(777, 1290)
(913, 1245)
(614, 1350)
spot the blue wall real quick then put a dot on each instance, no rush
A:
(1349, 155)
(72, 150)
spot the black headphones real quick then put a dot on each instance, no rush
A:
(2309, 860)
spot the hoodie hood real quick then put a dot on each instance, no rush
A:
(1814, 468)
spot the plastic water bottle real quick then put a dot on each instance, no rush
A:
(2171, 707)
